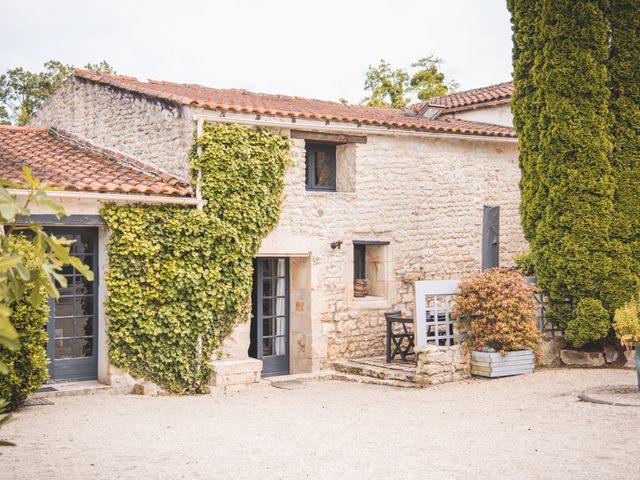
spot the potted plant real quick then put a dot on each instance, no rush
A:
(627, 327)
(496, 306)
(524, 263)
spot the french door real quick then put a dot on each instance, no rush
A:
(270, 315)
(72, 329)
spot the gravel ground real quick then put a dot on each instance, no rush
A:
(527, 427)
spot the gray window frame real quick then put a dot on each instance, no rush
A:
(310, 171)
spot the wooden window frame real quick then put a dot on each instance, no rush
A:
(310, 164)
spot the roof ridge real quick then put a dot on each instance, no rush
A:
(23, 128)
(118, 157)
(243, 101)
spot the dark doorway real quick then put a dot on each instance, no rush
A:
(270, 315)
(72, 347)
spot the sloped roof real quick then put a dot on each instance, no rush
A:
(469, 98)
(67, 162)
(243, 101)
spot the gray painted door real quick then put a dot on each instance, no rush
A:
(270, 315)
(73, 318)
(490, 237)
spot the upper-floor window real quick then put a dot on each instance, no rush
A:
(321, 166)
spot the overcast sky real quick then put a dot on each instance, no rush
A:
(315, 48)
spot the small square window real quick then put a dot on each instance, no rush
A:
(321, 167)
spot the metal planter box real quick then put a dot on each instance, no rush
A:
(494, 364)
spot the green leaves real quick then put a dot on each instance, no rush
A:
(579, 185)
(178, 277)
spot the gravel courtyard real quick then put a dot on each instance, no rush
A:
(531, 427)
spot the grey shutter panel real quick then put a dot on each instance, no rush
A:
(490, 237)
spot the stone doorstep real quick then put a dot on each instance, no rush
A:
(91, 387)
(235, 372)
(365, 370)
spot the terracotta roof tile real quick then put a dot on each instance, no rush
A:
(235, 100)
(492, 93)
(64, 161)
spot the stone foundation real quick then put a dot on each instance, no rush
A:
(442, 364)
(234, 373)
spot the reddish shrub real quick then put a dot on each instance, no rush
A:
(498, 307)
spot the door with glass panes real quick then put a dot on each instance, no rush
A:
(72, 329)
(270, 315)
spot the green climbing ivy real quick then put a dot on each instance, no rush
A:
(179, 278)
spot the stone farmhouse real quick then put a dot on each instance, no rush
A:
(384, 195)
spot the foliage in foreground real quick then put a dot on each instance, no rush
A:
(179, 279)
(27, 365)
(627, 323)
(29, 269)
(498, 307)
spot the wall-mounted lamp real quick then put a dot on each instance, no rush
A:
(335, 245)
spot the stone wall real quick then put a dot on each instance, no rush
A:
(442, 364)
(423, 195)
(152, 131)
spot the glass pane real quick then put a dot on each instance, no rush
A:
(63, 327)
(84, 347)
(64, 307)
(281, 266)
(280, 304)
(324, 170)
(280, 324)
(267, 346)
(267, 267)
(84, 244)
(64, 348)
(279, 346)
(83, 286)
(84, 327)
(84, 306)
(267, 308)
(267, 287)
(280, 287)
(67, 270)
(267, 327)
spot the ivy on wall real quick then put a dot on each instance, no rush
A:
(179, 279)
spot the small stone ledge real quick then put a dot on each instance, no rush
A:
(577, 358)
(234, 374)
(442, 364)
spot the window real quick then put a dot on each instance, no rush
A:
(321, 167)
(370, 263)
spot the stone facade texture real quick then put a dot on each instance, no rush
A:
(422, 194)
(442, 364)
(146, 129)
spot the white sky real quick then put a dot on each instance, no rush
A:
(313, 48)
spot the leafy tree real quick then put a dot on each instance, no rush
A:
(22, 92)
(397, 88)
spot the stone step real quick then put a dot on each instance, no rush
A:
(362, 369)
(347, 377)
(64, 389)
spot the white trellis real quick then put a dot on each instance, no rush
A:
(433, 322)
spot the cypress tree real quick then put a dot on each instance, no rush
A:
(526, 105)
(624, 71)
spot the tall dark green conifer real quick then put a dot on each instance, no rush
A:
(526, 104)
(561, 50)
(624, 72)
